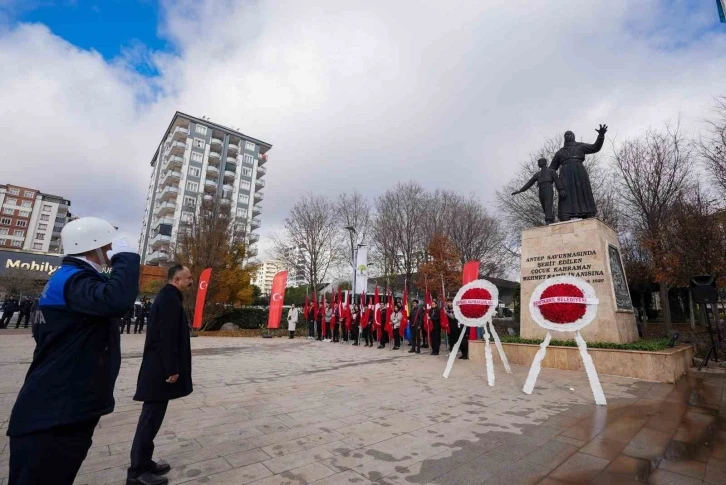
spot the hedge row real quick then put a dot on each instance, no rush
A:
(247, 317)
(653, 345)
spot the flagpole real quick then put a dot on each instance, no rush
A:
(443, 303)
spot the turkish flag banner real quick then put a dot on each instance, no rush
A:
(277, 297)
(201, 297)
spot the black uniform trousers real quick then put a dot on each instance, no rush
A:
(142, 450)
(22, 315)
(311, 328)
(396, 337)
(5, 320)
(464, 342)
(367, 335)
(320, 330)
(416, 338)
(435, 340)
(139, 327)
(50, 456)
(126, 322)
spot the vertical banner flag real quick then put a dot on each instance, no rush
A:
(315, 306)
(361, 269)
(377, 313)
(324, 309)
(201, 297)
(404, 310)
(470, 273)
(277, 297)
(442, 308)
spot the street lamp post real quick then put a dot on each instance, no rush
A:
(353, 254)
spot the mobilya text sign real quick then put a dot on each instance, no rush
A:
(39, 266)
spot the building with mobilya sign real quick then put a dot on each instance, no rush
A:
(197, 161)
(32, 220)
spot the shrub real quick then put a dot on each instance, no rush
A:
(651, 345)
(246, 317)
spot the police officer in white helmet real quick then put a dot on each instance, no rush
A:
(70, 383)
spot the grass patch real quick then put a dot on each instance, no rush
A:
(648, 345)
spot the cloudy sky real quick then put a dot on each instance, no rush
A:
(350, 94)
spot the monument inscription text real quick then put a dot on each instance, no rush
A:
(582, 264)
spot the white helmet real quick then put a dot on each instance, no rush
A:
(86, 234)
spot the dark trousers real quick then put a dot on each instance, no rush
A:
(464, 342)
(354, 333)
(126, 322)
(396, 337)
(142, 450)
(311, 328)
(139, 327)
(20, 319)
(384, 337)
(292, 333)
(453, 335)
(5, 320)
(336, 333)
(320, 330)
(367, 335)
(435, 340)
(50, 456)
(416, 337)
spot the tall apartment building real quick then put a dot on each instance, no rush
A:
(265, 273)
(198, 161)
(32, 220)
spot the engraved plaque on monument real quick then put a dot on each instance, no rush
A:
(587, 249)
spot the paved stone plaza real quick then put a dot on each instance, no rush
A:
(278, 411)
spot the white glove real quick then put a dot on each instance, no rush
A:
(118, 246)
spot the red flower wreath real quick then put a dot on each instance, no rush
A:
(475, 311)
(562, 312)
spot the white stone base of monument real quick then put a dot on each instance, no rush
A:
(588, 249)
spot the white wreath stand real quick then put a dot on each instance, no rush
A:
(597, 391)
(488, 325)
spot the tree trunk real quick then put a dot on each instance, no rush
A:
(666, 308)
(690, 310)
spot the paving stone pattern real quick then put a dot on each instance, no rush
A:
(273, 412)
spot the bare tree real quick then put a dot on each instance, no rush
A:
(712, 146)
(354, 211)
(653, 172)
(398, 228)
(437, 216)
(21, 283)
(311, 228)
(211, 238)
(478, 236)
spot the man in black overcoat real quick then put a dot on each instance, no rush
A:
(165, 374)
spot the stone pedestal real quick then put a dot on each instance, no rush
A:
(588, 249)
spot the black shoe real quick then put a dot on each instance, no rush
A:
(147, 478)
(396, 348)
(412, 351)
(355, 343)
(425, 346)
(381, 346)
(418, 351)
(464, 357)
(160, 468)
(434, 353)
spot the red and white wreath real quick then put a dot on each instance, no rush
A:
(476, 302)
(563, 304)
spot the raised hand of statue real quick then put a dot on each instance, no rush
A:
(515, 193)
(603, 129)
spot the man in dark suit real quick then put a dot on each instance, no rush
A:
(165, 374)
(416, 324)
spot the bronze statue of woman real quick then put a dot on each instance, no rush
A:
(580, 202)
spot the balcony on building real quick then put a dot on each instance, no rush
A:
(177, 148)
(214, 158)
(160, 241)
(166, 221)
(170, 177)
(254, 238)
(210, 186)
(255, 223)
(169, 193)
(262, 160)
(259, 195)
(229, 173)
(257, 210)
(252, 252)
(259, 183)
(233, 148)
(212, 170)
(261, 171)
(225, 201)
(216, 145)
(165, 209)
(157, 257)
(208, 198)
(173, 162)
(179, 133)
(228, 189)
